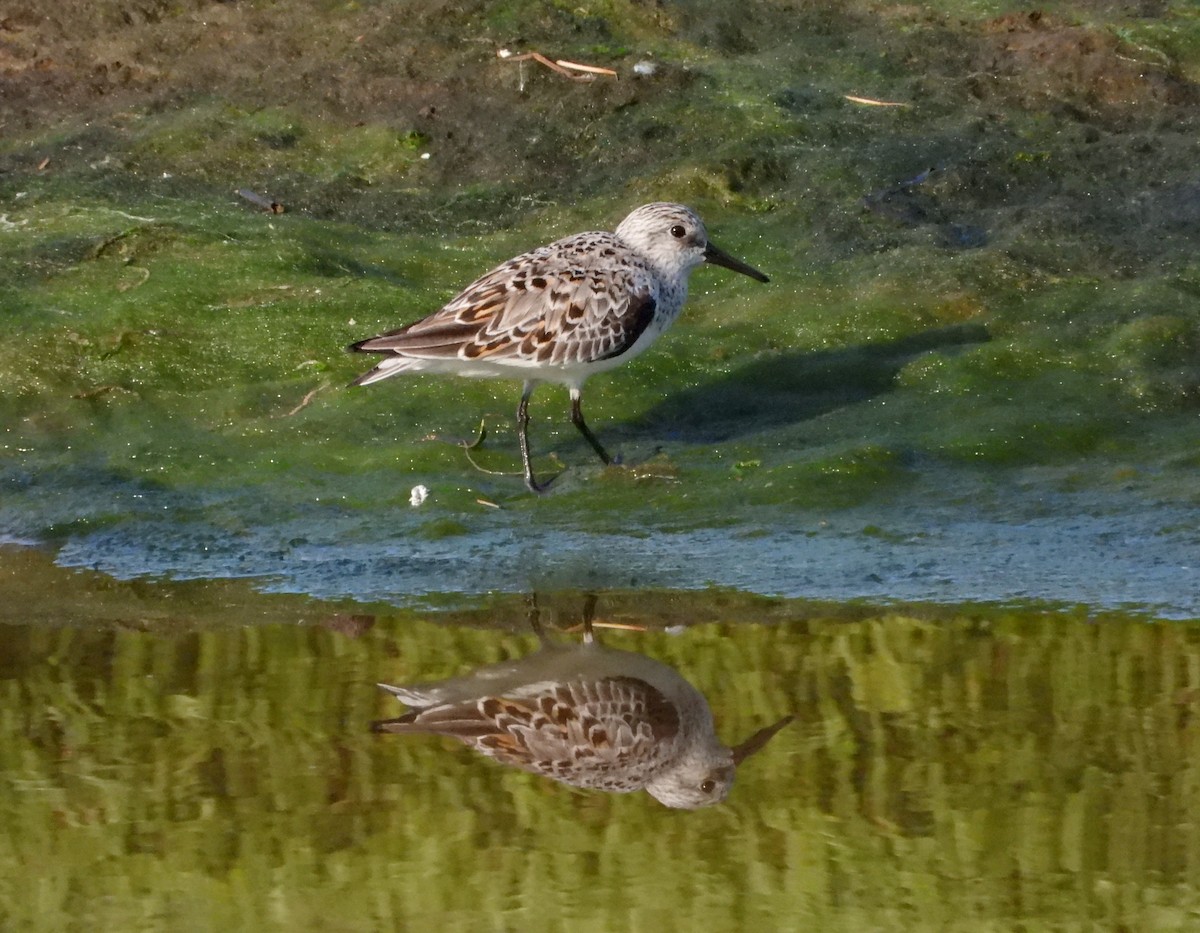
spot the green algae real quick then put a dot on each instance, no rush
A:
(218, 141)
(972, 280)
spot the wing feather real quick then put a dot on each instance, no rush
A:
(611, 733)
(579, 300)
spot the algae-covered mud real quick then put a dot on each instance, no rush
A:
(192, 758)
(974, 375)
(933, 490)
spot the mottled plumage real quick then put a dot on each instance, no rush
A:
(588, 716)
(562, 312)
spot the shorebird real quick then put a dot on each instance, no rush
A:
(588, 716)
(560, 313)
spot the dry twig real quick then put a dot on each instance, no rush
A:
(573, 71)
(872, 102)
(304, 402)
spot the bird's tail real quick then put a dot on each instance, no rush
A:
(389, 366)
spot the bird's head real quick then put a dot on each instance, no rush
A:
(673, 237)
(705, 775)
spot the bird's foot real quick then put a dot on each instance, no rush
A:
(540, 488)
(532, 484)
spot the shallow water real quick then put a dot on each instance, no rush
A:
(196, 756)
(1141, 560)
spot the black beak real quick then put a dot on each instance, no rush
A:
(718, 257)
(758, 740)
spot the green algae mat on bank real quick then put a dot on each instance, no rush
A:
(948, 769)
(984, 311)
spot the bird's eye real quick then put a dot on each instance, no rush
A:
(679, 231)
(708, 786)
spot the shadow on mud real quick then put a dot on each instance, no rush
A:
(795, 386)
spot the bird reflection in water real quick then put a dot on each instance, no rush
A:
(588, 716)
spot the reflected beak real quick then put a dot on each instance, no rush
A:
(718, 257)
(759, 739)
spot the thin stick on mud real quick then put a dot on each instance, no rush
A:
(304, 402)
(561, 66)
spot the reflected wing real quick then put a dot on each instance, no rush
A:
(578, 300)
(610, 734)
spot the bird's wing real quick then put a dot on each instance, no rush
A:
(578, 300)
(610, 733)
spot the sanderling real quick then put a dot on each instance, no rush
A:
(562, 312)
(588, 716)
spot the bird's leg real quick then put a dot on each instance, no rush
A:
(589, 613)
(534, 614)
(523, 437)
(577, 420)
